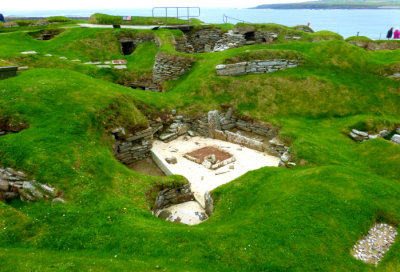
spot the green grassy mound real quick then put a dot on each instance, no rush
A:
(270, 219)
(105, 19)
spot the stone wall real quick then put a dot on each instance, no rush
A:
(198, 41)
(130, 148)
(375, 46)
(214, 39)
(170, 67)
(255, 67)
(6, 72)
(14, 184)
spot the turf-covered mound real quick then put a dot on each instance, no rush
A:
(302, 219)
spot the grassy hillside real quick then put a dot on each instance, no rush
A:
(271, 219)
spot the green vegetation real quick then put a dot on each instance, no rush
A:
(270, 219)
(264, 55)
(105, 19)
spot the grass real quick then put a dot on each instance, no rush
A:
(105, 19)
(270, 219)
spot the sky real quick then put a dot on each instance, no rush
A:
(117, 4)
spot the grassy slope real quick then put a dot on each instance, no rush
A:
(304, 219)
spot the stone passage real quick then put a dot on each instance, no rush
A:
(46, 34)
(129, 41)
(372, 248)
(178, 205)
(255, 67)
(14, 184)
(211, 39)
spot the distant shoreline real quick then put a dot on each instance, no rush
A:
(321, 5)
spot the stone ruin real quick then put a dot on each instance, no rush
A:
(211, 39)
(170, 200)
(255, 67)
(361, 136)
(15, 185)
(132, 147)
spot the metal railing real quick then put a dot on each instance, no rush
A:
(225, 19)
(187, 17)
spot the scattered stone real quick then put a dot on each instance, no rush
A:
(103, 66)
(29, 52)
(13, 184)
(384, 133)
(119, 61)
(76, 60)
(58, 200)
(23, 68)
(48, 55)
(396, 139)
(220, 172)
(372, 248)
(120, 67)
(64, 58)
(171, 160)
(232, 166)
(191, 133)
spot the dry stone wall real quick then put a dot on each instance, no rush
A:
(255, 67)
(214, 40)
(132, 147)
(170, 67)
(14, 185)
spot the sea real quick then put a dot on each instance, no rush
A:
(372, 23)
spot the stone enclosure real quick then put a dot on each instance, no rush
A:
(255, 67)
(225, 127)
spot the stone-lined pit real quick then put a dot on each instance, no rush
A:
(234, 147)
(373, 247)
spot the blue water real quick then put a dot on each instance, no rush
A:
(372, 23)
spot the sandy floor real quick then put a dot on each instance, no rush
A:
(203, 179)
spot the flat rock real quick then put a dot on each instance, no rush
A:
(120, 67)
(29, 52)
(189, 213)
(396, 139)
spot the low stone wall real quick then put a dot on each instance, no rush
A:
(361, 136)
(255, 67)
(170, 67)
(220, 126)
(133, 147)
(214, 39)
(6, 72)
(173, 196)
(14, 184)
(198, 41)
(375, 46)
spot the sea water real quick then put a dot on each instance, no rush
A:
(373, 23)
